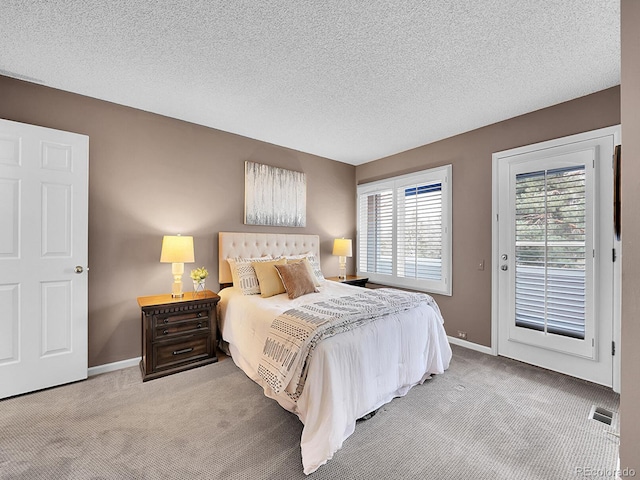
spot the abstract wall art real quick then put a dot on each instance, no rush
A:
(274, 196)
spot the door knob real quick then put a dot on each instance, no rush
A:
(504, 268)
(79, 269)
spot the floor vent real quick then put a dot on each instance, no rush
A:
(601, 414)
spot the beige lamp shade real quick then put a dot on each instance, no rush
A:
(342, 247)
(177, 249)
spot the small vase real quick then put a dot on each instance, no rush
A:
(198, 287)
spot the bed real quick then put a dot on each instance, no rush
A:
(350, 373)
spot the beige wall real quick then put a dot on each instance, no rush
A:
(630, 99)
(469, 308)
(151, 175)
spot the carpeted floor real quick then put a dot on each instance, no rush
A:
(485, 418)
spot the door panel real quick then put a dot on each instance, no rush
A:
(56, 318)
(56, 220)
(9, 217)
(43, 302)
(9, 323)
(9, 149)
(551, 212)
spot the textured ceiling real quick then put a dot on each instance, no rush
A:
(349, 80)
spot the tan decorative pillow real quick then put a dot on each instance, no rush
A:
(305, 260)
(296, 279)
(268, 278)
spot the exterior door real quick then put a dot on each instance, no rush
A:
(43, 257)
(555, 271)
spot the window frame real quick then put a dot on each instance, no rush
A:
(430, 176)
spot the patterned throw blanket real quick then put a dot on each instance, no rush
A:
(293, 335)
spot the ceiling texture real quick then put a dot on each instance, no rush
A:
(349, 80)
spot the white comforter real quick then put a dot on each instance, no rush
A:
(350, 374)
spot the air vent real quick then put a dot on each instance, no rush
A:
(601, 415)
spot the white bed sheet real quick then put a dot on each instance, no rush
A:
(350, 374)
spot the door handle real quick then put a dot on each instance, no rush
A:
(79, 269)
(504, 268)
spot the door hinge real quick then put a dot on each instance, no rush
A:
(613, 257)
(613, 348)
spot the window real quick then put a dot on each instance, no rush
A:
(551, 251)
(404, 230)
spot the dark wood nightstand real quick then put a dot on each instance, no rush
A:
(350, 280)
(177, 333)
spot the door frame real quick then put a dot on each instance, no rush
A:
(614, 131)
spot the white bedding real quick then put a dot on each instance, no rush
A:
(350, 374)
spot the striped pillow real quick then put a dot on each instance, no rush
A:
(243, 274)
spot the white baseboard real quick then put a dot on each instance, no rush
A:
(470, 345)
(112, 367)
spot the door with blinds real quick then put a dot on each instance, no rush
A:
(555, 271)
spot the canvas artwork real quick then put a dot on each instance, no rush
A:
(274, 196)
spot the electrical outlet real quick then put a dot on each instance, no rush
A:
(462, 335)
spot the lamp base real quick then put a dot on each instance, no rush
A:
(342, 275)
(177, 269)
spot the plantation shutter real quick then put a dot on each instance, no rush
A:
(420, 231)
(550, 228)
(376, 225)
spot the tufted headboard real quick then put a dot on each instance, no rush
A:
(249, 245)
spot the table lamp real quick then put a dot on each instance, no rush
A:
(177, 250)
(342, 249)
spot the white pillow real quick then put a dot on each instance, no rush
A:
(243, 274)
(315, 264)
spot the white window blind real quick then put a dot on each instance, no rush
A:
(420, 231)
(376, 214)
(404, 226)
(551, 251)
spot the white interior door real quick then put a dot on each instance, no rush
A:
(554, 264)
(43, 257)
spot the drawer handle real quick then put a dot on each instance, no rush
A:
(166, 320)
(165, 332)
(199, 325)
(199, 314)
(184, 350)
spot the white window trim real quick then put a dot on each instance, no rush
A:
(432, 175)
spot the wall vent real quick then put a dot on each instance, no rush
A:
(601, 415)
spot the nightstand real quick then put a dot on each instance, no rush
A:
(177, 333)
(350, 280)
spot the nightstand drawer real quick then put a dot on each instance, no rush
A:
(171, 329)
(171, 353)
(167, 318)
